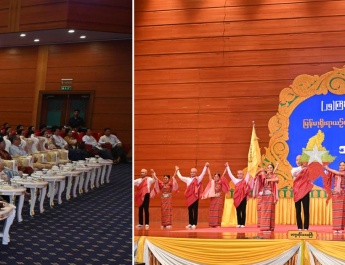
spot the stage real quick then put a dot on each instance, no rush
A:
(324, 232)
(232, 245)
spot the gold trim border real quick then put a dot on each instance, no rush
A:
(303, 87)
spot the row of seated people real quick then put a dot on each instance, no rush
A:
(82, 145)
(6, 130)
(15, 159)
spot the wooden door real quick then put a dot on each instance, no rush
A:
(57, 108)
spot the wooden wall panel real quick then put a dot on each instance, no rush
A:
(111, 82)
(227, 74)
(255, 27)
(105, 17)
(159, 5)
(169, 121)
(241, 13)
(238, 43)
(35, 15)
(201, 106)
(104, 67)
(17, 82)
(191, 90)
(43, 15)
(204, 70)
(234, 59)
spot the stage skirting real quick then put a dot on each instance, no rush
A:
(320, 212)
(192, 251)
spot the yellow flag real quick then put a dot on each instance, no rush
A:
(254, 156)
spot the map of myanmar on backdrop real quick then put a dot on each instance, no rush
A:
(310, 122)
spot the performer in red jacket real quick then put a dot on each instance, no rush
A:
(192, 193)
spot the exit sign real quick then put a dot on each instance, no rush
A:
(66, 87)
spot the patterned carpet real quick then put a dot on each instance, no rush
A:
(95, 228)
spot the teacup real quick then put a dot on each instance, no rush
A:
(24, 175)
(55, 168)
(39, 173)
(29, 178)
(16, 177)
(45, 171)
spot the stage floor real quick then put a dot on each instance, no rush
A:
(324, 232)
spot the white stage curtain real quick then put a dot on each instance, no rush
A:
(284, 257)
(322, 257)
(163, 256)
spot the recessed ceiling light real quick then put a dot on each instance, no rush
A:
(83, 37)
(36, 40)
(22, 35)
(71, 31)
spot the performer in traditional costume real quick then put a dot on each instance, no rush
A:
(192, 193)
(142, 197)
(266, 186)
(241, 194)
(301, 192)
(257, 180)
(214, 190)
(338, 196)
(167, 186)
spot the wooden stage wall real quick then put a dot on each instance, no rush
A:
(204, 70)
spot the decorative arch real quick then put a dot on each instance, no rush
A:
(303, 87)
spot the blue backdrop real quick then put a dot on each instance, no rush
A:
(319, 112)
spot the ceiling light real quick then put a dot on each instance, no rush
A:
(36, 40)
(22, 35)
(83, 37)
(71, 31)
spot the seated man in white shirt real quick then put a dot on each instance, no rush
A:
(117, 149)
(88, 139)
(17, 150)
(58, 141)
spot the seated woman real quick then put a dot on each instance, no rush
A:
(31, 132)
(71, 141)
(74, 153)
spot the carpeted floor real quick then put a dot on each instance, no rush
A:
(94, 228)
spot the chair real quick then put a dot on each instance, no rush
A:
(90, 150)
(22, 142)
(80, 137)
(11, 164)
(100, 134)
(31, 145)
(8, 143)
(95, 135)
(26, 134)
(24, 161)
(75, 135)
(42, 143)
(63, 156)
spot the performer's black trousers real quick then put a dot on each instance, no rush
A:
(241, 212)
(193, 213)
(305, 201)
(145, 207)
